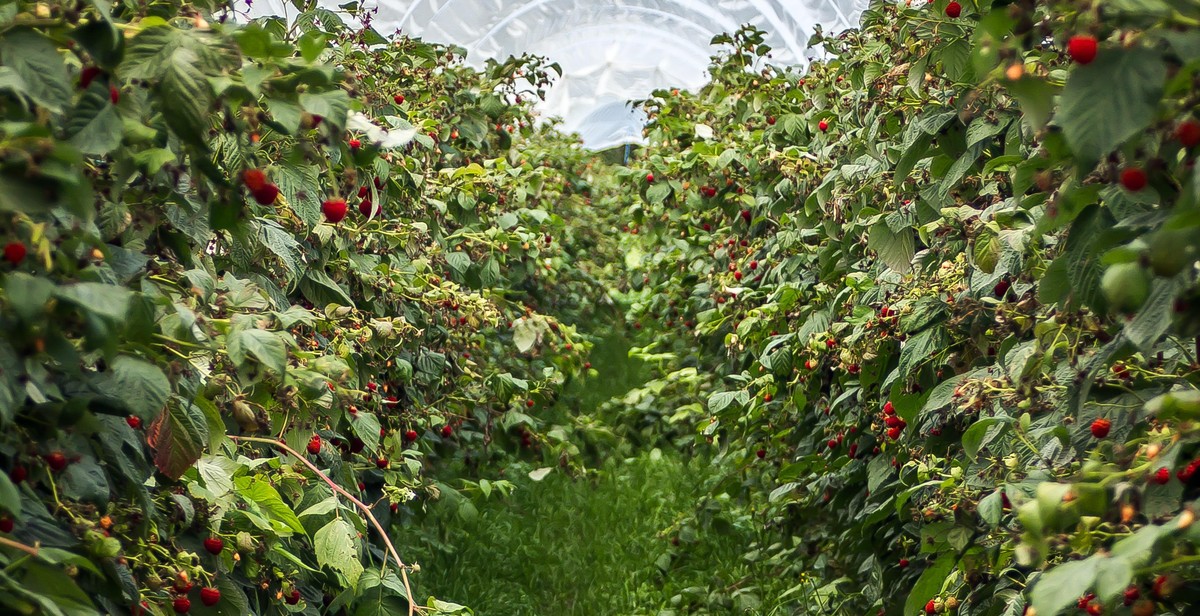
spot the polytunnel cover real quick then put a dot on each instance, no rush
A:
(610, 52)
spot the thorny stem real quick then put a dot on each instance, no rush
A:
(361, 506)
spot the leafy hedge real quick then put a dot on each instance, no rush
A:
(259, 278)
(934, 303)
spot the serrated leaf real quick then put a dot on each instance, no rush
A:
(137, 384)
(335, 548)
(36, 59)
(896, 250)
(1111, 99)
(178, 437)
(94, 126)
(267, 347)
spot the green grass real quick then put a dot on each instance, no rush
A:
(601, 545)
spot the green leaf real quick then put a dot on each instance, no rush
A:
(186, 96)
(137, 384)
(896, 250)
(36, 59)
(321, 290)
(312, 43)
(1110, 100)
(105, 300)
(94, 126)
(335, 548)
(266, 346)
(256, 490)
(981, 433)
(178, 437)
(1062, 585)
(929, 584)
(458, 261)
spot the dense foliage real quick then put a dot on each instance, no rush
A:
(259, 278)
(272, 289)
(934, 302)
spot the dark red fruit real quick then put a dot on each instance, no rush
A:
(529, 403)
(410, 435)
(293, 597)
(87, 75)
(18, 474)
(1161, 476)
(398, 99)
(894, 433)
(134, 421)
(14, 253)
(931, 607)
(314, 445)
(182, 605)
(823, 125)
(1188, 133)
(1100, 428)
(447, 431)
(649, 178)
(903, 563)
(56, 461)
(367, 208)
(771, 120)
(334, 210)
(214, 545)
(746, 216)
(354, 144)
(1001, 288)
(1133, 179)
(254, 179)
(888, 409)
(6, 524)
(210, 596)
(761, 453)
(1082, 48)
(953, 10)
(1131, 594)
(266, 195)
(381, 462)
(114, 94)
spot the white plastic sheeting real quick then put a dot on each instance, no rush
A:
(610, 52)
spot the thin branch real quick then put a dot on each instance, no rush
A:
(30, 550)
(361, 506)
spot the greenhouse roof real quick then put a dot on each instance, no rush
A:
(610, 52)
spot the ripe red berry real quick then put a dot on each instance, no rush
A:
(410, 435)
(134, 421)
(1001, 288)
(931, 607)
(894, 433)
(903, 563)
(953, 10)
(254, 179)
(830, 343)
(214, 545)
(182, 605)
(1133, 179)
(529, 403)
(891, 421)
(761, 453)
(334, 210)
(649, 178)
(371, 386)
(210, 596)
(293, 597)
(367, 208)
(1100, 428)
(314, 445)
(6, 524)
(1131, 594)
(1082, 48)
(447, 431)
(771, 120)
(18, 474)
(354, 144)
(381, 463)
(823, 125)
(1188, 133)
(754, 265)
(87, 75)
(398, 99)
(1161, 476)
(1095, 609)
(114, 94)
(888, 409)
(265, 195)
(747, 216)
(56, 461)
(14, 253)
